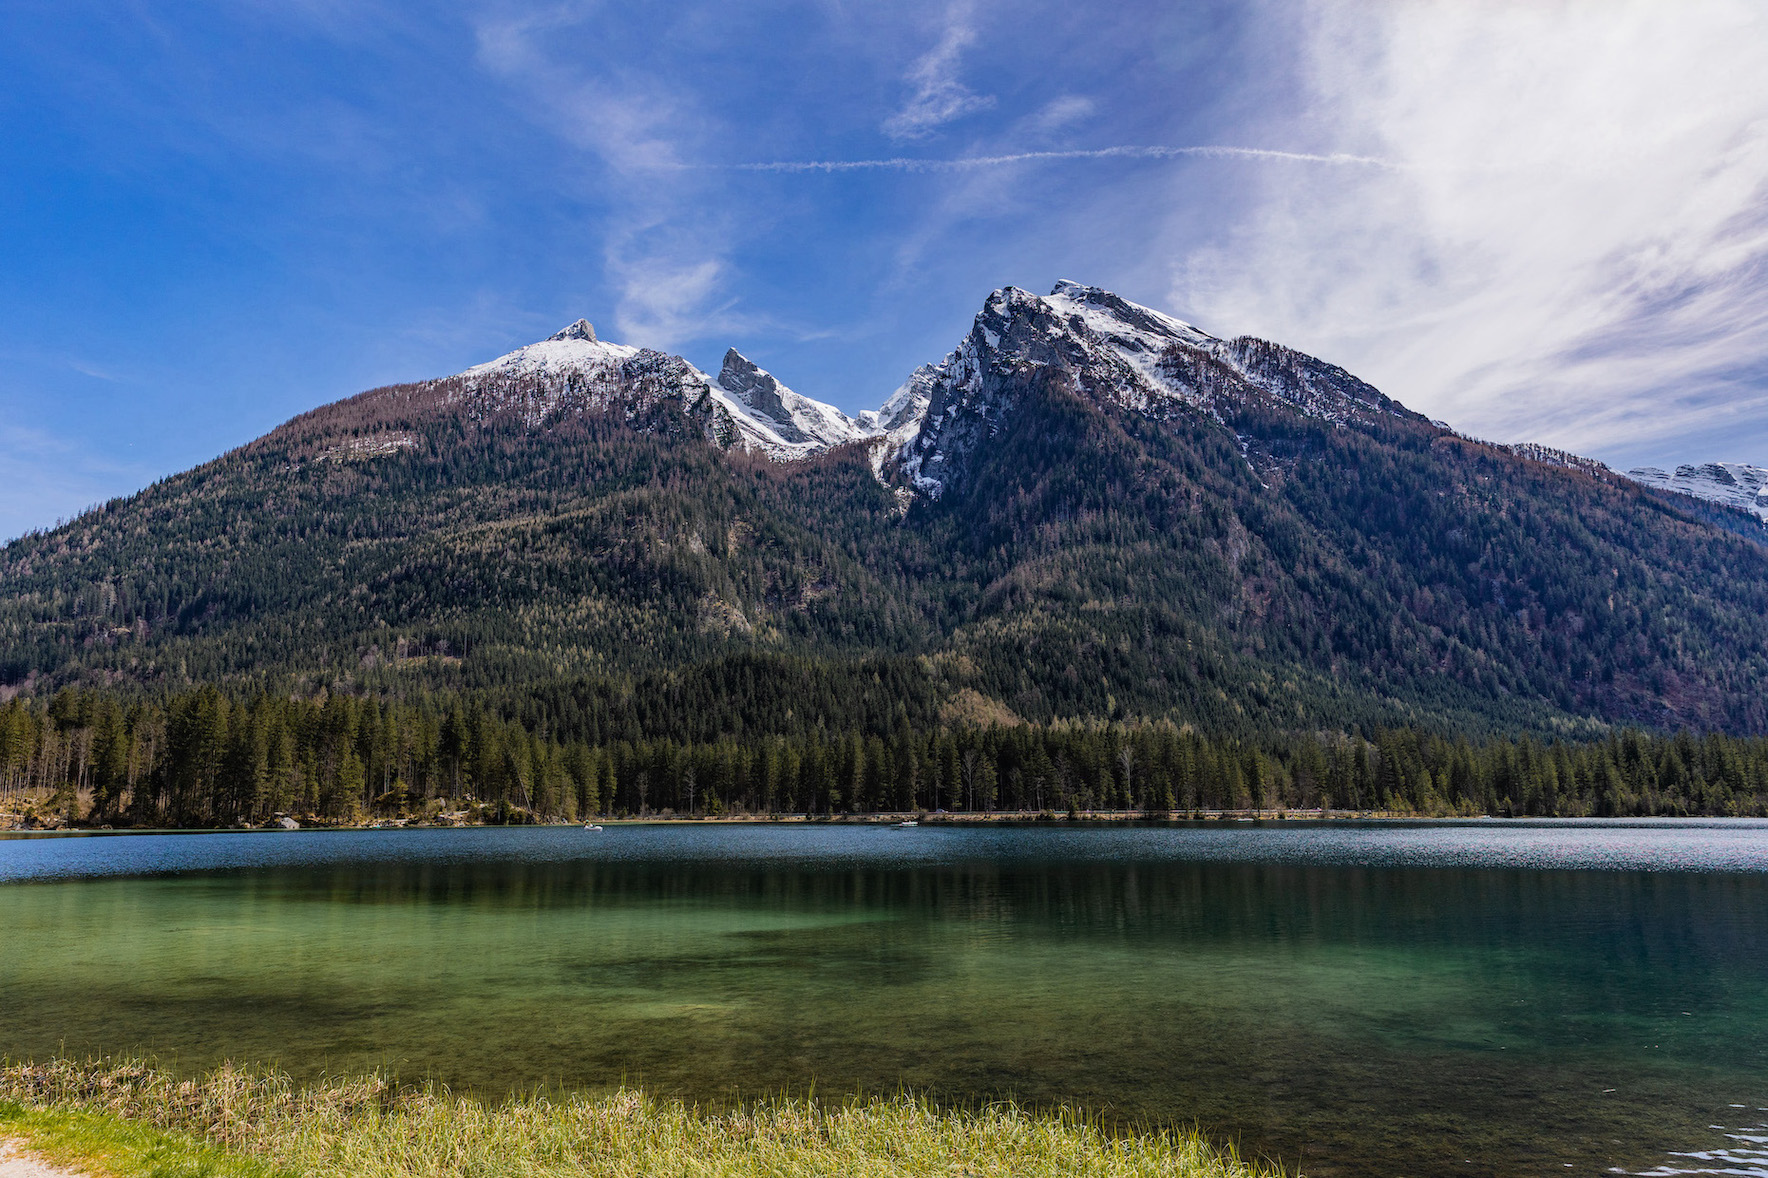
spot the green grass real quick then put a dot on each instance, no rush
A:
(104, 1145)
(128, 1119)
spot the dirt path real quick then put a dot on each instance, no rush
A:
(14, 1163)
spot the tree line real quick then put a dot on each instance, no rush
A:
(202, 758)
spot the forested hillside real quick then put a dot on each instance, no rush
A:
(1105, 516)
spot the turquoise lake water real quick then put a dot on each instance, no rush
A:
(1382, 998)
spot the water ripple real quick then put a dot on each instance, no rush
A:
(1747, 1157)
(1657, 845)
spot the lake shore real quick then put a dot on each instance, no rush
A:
(35, 822)
(128, 1118)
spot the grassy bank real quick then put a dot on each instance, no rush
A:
(128, 1119)
(102, 1145)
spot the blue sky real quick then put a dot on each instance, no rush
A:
(1541, 222)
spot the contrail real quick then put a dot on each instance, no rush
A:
(966, 163)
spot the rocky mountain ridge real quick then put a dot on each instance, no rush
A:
(1734, 484)
(744, 408)
(1123, 353)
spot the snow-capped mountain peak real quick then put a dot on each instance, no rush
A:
(746, 408)
(1112, 351)
(1128, 326)
(575, 349)
(901, 414)
(583, 329)
(790, 425)
(1735, 484)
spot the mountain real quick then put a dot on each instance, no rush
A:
(573, 372)
(1730, 495)
(1087, 509)
(1733, 484)
(1115, 354)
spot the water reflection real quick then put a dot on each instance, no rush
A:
(1346, 1011)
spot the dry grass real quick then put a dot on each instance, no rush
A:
(367, 1127)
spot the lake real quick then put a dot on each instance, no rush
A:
(1348, 998)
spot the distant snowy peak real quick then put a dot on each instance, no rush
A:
(781, 422)
(1735, 484)
(746, 408)
(583, 329)
(573, 350)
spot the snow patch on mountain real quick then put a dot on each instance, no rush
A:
(1113, 351)
(1553, 456)
(894, 425)
(1735, 484)
(575, 350)
(1107, 347)
(785, 424)
(1139, 336)
(375, 445)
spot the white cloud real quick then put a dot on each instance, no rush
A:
(630, 121)
(1574, 247)
(1061, 113)
(663, 242)
(937, 97)
(665, 300)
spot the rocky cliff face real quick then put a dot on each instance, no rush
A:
(780, 422)
(1113, 352)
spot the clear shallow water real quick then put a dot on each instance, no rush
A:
(1384, 998)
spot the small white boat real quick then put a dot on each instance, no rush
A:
(590, 826)
(905, 823)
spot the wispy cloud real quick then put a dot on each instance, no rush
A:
(1577, 248)
(51, 478)
(95, 372)
(937, 97)
(663, 244)
(1061, 113)
(666, 299)
(630, 121)
(971, 163)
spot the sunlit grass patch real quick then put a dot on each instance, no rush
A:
(104, 1145)
(367, 1127)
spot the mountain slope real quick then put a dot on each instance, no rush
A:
(1087, 509)
(1293, 517)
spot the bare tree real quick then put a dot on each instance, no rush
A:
(969, 765)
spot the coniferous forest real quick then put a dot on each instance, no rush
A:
(197, 758)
